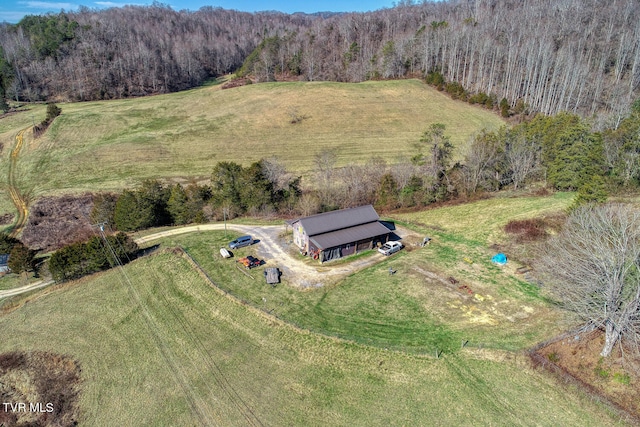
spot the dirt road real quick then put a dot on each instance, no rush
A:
(26, 288)
(271, 246)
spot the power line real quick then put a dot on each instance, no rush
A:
(162, 346)
(223, 383)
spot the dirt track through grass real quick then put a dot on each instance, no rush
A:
(14, 193)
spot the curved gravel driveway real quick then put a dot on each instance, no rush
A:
(271, 247)
(278, 253)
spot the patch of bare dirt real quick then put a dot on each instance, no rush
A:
(614, 380)
(236, 83)
(38, 389)
(6, 218)
(55, 222)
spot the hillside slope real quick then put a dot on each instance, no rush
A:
(180, 353)
(113, 144)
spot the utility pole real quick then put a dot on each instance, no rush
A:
(224, 215)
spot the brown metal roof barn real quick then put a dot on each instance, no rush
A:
(335, 234)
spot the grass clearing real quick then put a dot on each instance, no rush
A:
(233, 359)
(481, 223)
(181, 136)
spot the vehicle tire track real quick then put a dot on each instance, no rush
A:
(18, 200)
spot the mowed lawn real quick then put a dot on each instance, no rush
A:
(115, 144)
(158, 346)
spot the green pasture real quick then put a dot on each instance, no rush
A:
(158, 346)
(181, 136)
(482, 222)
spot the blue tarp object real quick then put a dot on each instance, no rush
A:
(500, 259)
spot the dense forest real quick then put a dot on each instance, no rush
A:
(581, 56)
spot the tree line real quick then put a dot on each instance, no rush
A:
(262, 188)
(580, 56)
(561, 152)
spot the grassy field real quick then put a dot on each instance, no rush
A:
(417, 309)
(113, 144)
(483, 221)
(187, 355)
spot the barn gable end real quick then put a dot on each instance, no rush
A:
(331, 235)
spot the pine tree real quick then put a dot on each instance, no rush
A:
(53, 111)
(126, 215)
(593, 191)
(387, 192)
(178, 205)
(504, 107)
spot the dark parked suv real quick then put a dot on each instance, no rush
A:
(241, 242)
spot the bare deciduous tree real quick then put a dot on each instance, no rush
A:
(593, 266)
(522, 159)
(308, 204)
(276, 172)
(480, 160)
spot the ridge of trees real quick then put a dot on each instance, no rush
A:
(581, 56)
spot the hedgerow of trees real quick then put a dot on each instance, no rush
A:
(81, 259)
(151, 205)
(261, 188)
(53, 111)
(538, 56)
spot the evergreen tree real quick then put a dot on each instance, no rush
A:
(622, 150)
(6, 77)
(225, 184)
(21, 259)
(126, 215)
(7, 243)
(178, 205)
(592, 191)
(53, 111)
(571, 153)
(80, 259)
(152, 204)
(387, 192)
(256, 191)
(504, 107)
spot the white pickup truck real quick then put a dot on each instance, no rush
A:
(390, 248)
